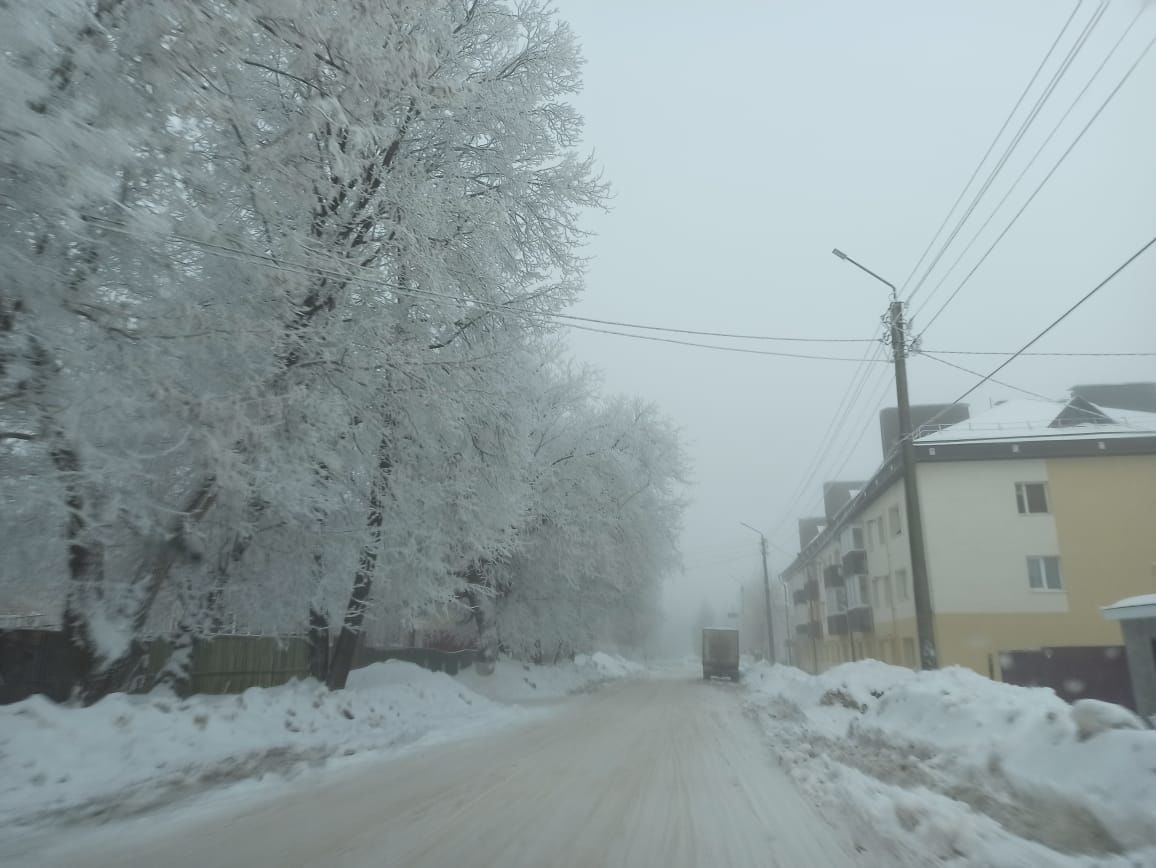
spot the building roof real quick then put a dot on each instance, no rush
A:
(1130, 608)
(1028, 420)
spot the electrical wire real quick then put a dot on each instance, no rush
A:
(834, 428)
(1024, 172)
(965, 370)
(851, 443)
(1076, 355)
(746, 350)
(986, 377)
(1065, 64)
(308, 269)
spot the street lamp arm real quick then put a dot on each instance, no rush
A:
(862, 267)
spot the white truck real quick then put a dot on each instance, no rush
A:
(720, 653)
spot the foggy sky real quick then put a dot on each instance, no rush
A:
(744, 140)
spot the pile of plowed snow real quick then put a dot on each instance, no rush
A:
(952, 764)
(128, 753)
(515, 681)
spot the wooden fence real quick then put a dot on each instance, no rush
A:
(38, 661)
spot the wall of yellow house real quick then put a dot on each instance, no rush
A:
(976, 641)
(1105, 514)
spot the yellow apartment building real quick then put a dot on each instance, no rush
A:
(1035, 515)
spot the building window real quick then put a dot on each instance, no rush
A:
(1044, 574)
(879, 596)
(894, 521)
(856, 537)
(879, 530)
(1031, 497)
(901, 589)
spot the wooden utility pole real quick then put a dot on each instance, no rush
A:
(766, 591)
(767, 599)
(921, 587)
(924, 616)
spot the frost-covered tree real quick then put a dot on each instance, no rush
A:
(275, 277)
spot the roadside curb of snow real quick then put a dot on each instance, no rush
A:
(964, 802)
(129, 755)
(515, 681)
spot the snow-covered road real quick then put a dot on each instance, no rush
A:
(662, 772)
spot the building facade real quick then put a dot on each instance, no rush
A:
(1035, 515)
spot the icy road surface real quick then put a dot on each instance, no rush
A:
(665, 772)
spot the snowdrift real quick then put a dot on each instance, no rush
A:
(126, 754)
(974, 770)
(514, 681)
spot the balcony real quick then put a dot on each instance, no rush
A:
(855, 563)
(832, 577)
(838, 625)
(860, 620)
(800, 598)
(811, 630)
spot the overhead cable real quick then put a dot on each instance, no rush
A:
(1049, 88)
(1042, 183)
(986, 377)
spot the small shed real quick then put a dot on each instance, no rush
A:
(1137, 617)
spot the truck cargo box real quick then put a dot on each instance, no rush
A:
(720, 653)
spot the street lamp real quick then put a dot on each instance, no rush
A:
(924, 618)
(766, 590)
(862, 267)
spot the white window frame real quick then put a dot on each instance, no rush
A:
(1039, 565)
(1022, 503)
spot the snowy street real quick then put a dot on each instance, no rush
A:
(666, 771)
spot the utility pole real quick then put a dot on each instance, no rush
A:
(921, 587)
(766, 592)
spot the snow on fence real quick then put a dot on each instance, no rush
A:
(433, 659)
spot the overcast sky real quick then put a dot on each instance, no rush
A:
(745, 140)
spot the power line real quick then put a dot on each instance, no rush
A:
(935, 358)
(1042, 183)
(1077, 355)
(731, 335)
(985, 378)
(851, 443)
(990, 148)
(842, 413)
(1016, 139)
(309, 269)
(746, 350)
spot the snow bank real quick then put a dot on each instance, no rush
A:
(129, 753)
(976, 770)
(514, 681)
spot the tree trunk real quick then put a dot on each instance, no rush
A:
(85, 571)
(116, 673)
(346, 645)
(318, 644)
(177, 673)
(347, 640)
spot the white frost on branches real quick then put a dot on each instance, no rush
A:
(272, 332)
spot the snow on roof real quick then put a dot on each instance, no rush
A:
(1143, 606)
(1024, 419)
